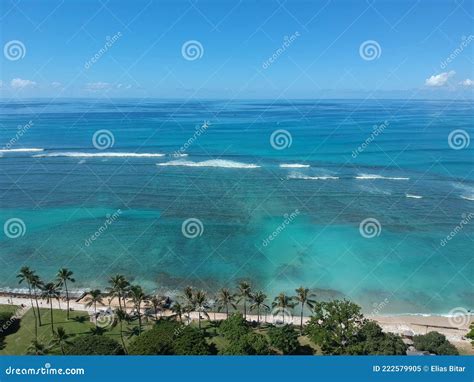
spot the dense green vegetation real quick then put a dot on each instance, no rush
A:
(94, 345)
(284, 338)
(435, 343)
(340, 328)
(138, 326)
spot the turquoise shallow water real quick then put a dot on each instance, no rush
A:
(313, 212)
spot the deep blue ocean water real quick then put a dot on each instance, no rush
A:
(406, 177)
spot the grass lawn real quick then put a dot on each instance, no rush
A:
(17, 343)
(8, 308)
(78, 324)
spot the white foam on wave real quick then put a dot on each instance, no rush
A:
(374, 177)
(209, 163)
(467, 191)
(176, 155)
(307, 177)
(414, 196)
(100, 155)
(23, 150)
(294, 165)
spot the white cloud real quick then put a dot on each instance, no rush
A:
(56, 84)
(18, 83)
(467, 82)
(439, 79)
(97, 86)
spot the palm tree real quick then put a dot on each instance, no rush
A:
(258, 302)
(305, 298)
(36, 284)
(119, 285)
(61, 338)
(37, 348)
(138, 297)
(64, 275)
(121, 317)
(25, 275)
(244, 294)
(283, 303)
(49, 292)
(189, 298)
(95, 297)
(201, 305)
(224, 299)
(177, 310)
(158, 304)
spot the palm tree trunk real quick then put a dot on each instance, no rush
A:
(51, 314)
(95, 313)
(67, 300)
(120, 302)
(34, 313)
(258, 315)
(139, 321)
(245, 310)
(121, 337)
(37, 306)
(227, 310)
(62, 349)
(301, 321)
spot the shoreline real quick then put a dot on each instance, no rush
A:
(402, 324)
(78, 294)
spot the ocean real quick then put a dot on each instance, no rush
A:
(369, 200)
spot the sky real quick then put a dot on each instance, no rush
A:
(237, 49)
